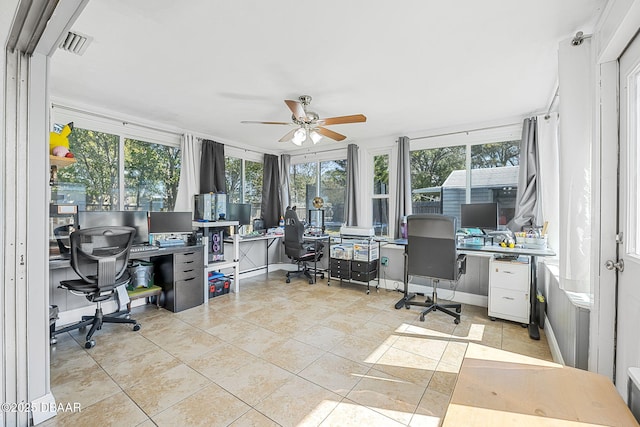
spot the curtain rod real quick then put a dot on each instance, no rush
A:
(123, 121)
(465, 131)
(318, 151)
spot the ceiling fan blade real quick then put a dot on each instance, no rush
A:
(289, 136)
(266, 123)
(355, 118)
(330, 134)
(296, 109)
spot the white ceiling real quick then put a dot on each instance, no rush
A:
(409, 66)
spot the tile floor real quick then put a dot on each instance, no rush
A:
(276, 354)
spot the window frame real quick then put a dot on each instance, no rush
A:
(122, 128)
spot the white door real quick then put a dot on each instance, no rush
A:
(628, 313)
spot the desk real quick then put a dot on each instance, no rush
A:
(534, 332)
(243, 254)
(497, 388)
(178, 284)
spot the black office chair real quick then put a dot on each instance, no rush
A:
(296, 249)
(431, 252)
(62, 237)
(99, 256)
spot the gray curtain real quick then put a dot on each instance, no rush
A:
(403, 199)
(271, 208)
(527, 195)
(353, 187)
(285, 192)
(212, 178)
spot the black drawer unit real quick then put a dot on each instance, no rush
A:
(181, 277)
(340, 268)
(364, 276)
(364, 269)
(364, 266)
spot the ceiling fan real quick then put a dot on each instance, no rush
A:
(309, 125)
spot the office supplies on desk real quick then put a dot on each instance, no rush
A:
(143, 248)
(168, 243)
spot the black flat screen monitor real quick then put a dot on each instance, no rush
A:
(479, 215)
(135, 219)
(240, 212)
(170, 222)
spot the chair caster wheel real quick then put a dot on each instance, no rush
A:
(407, 306)
(89, 344)
(493, 319)
(311, 282)
(368, 291)
(322, 276)
(137, 327)
(288, 280)
(422, 318)
(458, 310)
(127, 316)
(456, 321)
(524, 325)
(53, 341)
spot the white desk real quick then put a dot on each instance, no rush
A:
(534, 332)
(244, 249)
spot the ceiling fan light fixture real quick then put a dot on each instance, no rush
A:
(315, 136)
(299, 136)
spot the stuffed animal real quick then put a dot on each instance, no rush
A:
(59, 140)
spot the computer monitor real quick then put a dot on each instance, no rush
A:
(170, 222)
(479, 215)
(240, 212)
(135, 219)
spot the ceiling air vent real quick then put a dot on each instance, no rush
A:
(75, 42)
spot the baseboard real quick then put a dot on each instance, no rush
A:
(443, 293)
(553, 342)
(43, 408)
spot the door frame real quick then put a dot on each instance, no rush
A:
(615, 30)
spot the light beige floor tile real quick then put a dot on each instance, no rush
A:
(84, 386)
(254, 381)
(292, 355)
(335, 373)
(115, 410)
(321, 336)
(422, 346)
(211, 406)
(222, 359)
(333, 337)
(391, 396)
(254, 418)
(299, 403)
(360, 350)
(349, 413)
(444, 379)
(258, 340)
(408, 366)
(139, 369)
(230, 330)
(167, 389)
(188, 344)
(431, 409)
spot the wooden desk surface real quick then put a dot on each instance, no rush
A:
(500, 391)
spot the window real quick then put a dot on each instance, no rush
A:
(152, 173)
(494, 176)
(439, 178)
(327, 179)
(381, 194)
(253, 187)
(94, 181)
(244, 183)
(303, 180)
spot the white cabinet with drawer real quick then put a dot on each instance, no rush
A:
(509, 284)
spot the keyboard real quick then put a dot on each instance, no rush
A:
(143, 248)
